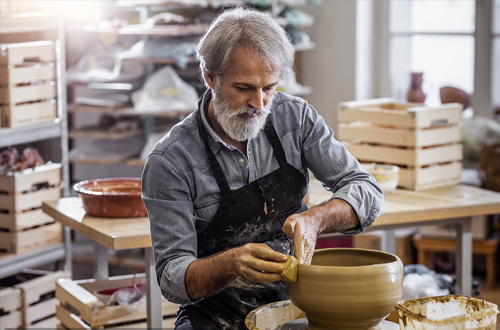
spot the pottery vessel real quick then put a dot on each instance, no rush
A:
(346, 288)
(415, 92)
(112, 198)
(387, 176)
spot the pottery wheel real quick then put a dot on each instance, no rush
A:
(301, 324)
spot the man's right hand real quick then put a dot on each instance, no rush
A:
(259, 263)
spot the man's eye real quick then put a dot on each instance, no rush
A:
(242, 89)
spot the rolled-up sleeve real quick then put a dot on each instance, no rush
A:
(339, 171)
(173, 235)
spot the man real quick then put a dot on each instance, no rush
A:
(226, 185)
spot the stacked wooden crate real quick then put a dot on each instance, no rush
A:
(23, 225)
(10, 308)
(29, 301)
(38, 302)
(27, 87)
(423, 141)
(80, 308)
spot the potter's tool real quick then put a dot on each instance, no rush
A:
(289, 274)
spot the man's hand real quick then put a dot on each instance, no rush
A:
(304, 232)
(259, 263)
(255, 262)
(333, 216)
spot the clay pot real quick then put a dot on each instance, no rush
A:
(347, 288)
(415, 92)
(112, 198)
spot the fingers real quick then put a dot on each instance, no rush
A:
(262, 251)
(289, 226)
(260, 263)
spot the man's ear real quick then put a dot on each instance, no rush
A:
(210, 78)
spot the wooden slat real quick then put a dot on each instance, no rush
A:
(21, 202)
(10, 299)
(13, 320)
(40, 311)
(102, 134)
(399, 136)
(33, 289)
(430, 177)
(28, 114)
(24, 220)
(408, 157)
(28, 93)
(18, 182)
(32, 239)
(17, 75)
(49, 323)
(17, 53)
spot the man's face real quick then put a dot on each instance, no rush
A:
(243, 95)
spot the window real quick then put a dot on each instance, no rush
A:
(446, 41)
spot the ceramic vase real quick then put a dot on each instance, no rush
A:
(415, 93)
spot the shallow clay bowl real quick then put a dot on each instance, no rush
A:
(348, 288)
(112, 198)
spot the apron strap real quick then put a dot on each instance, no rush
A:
(214, 164)
(275, 143)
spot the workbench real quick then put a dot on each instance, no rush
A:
(402, 208)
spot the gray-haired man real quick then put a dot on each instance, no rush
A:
(225, 187)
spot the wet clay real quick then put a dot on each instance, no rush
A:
(347, 288)
(289, 274)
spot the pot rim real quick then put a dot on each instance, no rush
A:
(79, 187)
(313, 267)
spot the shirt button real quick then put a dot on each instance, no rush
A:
(241, 160)
(249, 152)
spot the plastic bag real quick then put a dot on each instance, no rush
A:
(102, 64)
(178, 49)
(164, 91)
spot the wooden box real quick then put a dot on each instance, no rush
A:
(423, 141)
(38, 300)
(23, 225)
(27, 89)
(10, 308)
(80, 308)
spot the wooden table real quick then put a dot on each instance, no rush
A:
(402, 208)
(453, 204)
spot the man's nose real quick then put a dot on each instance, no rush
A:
(257, 100)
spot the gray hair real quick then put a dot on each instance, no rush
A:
(245, 27)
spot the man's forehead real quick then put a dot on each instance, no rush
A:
(246, 63)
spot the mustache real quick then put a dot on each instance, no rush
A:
(250, 111)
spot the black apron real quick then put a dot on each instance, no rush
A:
(254, 213)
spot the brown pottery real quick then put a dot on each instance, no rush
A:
(112, 198)
(347, 288)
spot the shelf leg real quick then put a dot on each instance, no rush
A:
(100, 266)
(464, 256)
(388, 241)
(154, 299)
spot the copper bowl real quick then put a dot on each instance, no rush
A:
(112, 198)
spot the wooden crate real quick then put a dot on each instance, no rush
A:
(38, 300)
(80, 308)
(423, 141)
(27, 89)
(21, 199)
(22, 52)
(23, 225)
(10, 308)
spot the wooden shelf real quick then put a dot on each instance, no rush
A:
(135, 162)
(28, 22)
(114, 161)
(163, 31)
(126, 111)
(157, 60)
(102, 134)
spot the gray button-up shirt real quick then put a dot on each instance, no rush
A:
(180, 191)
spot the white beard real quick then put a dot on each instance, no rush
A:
(237, 127)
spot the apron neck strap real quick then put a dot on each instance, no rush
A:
(278, 150)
